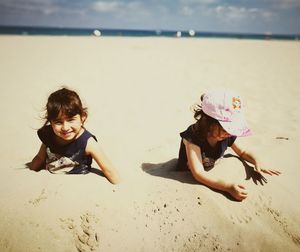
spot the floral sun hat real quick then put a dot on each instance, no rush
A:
(226, 107)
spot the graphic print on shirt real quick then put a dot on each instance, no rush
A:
(207, 161)
(59, 164)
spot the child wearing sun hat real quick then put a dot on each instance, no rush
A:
(219, 121)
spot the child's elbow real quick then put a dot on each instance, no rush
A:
(36, 164)
(112, 176)
(115, 179)
(34, 168)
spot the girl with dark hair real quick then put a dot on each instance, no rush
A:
(219, 121)
(67, 147)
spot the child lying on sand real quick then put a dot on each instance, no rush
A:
(219, 122)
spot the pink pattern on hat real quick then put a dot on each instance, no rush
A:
(226, 107)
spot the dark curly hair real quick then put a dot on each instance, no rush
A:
(64, 101)
(204, 123)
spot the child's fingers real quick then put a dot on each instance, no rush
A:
(276, 172)
(271, 172)
(241, 186)
(267, 171)
(239, 192)
(242, 190)
(243, 195)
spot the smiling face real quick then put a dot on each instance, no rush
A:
(67, 128)
(66, 115)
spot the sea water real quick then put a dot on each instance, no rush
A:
(62, 31)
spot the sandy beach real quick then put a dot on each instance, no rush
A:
(139, 92)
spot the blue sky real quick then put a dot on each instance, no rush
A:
(276, 16)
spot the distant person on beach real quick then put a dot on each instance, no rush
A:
(67, 147)
(219, 122)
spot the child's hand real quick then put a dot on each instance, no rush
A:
(238, 192)
(271, 172)
(267, 171)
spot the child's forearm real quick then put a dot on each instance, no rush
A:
(237, 191)
(112, 176)
(249, 157)
(211, 182)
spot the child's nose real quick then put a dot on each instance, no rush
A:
(65, 126)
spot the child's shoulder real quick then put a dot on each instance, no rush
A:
(190, 129)
(45, 132)
(230, 140)
(86, 135)
(192, 135)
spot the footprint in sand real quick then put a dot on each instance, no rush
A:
(85, 237)
(265, 206)
(204, 241)
(245, 219)
(41, 197)
(282, 221)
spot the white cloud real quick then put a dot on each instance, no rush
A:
(284, 4)
(102, 6)
(28, 6)
(33, 7)
(191, 7)
(199, 2)
(122, 11)
(234, 13)
(186, 11)
(118, 7)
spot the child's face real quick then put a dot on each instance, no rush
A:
(218, 133)
(67, 128)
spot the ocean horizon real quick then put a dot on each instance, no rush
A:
(65, 31)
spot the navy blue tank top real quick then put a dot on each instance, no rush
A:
(69, 158)
(209, 154)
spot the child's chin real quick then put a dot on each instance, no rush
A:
(68, 137)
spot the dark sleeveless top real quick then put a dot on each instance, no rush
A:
(69, 158)
(209, 154)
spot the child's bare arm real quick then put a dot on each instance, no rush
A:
(251, 158)
(195, 165)
(39, 160)
(94, 149)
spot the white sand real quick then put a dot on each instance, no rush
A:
(138, 91)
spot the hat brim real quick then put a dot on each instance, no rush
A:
(237, 127)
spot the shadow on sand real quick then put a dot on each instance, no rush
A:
(250, 171)
(169, 170)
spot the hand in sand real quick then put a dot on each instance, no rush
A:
(238, 192)
(267, 171)
(257, 174)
